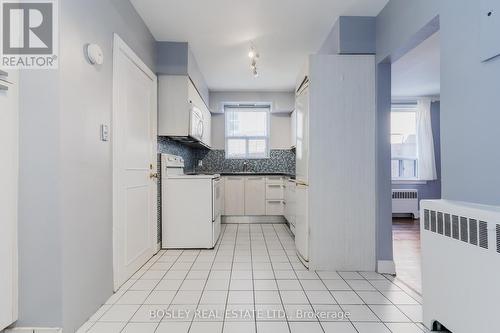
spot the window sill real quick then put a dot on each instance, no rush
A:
(408, 182)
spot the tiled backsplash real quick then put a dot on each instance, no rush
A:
(280, 161)
(189, 154)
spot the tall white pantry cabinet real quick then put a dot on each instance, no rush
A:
(341, 193)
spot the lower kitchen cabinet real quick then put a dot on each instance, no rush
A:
(255, 196)
(234, 193)
(275, 207)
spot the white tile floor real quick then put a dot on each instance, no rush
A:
(253, 282)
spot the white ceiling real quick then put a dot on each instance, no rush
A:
(219, 33)
(417, 73)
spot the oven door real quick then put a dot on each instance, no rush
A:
(217, 199)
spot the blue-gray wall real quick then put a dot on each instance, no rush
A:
(351, 35)
(469, 92)
(65, 194)
(432, 189)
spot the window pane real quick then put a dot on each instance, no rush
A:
(257, 148)
(409, 169)
(404, 134)
(236, 148)
(395, 168)
(247, 123)
(247, 132)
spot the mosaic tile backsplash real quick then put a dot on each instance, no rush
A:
(280, 161)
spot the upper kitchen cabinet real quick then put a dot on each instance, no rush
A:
(182, 113)
(176, 58)
(183, 97)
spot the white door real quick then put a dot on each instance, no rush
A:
(302, 222)
(302, 135)
(134, 162)
(9, 124)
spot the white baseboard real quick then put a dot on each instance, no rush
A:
(386, 267)
(33, 330)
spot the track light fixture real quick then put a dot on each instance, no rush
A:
(254, 55)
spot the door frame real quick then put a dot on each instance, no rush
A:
(119, 44)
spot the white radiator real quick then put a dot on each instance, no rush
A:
(461, 266)
(405, 202)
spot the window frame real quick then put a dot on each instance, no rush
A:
(265, 109)
(401, 108)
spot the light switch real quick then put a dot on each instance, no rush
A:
(490, 27)
(104, 132)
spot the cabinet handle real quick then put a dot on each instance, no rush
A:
(275, 201)
(274, 185)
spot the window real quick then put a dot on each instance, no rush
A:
(404, 143)
(247, 132)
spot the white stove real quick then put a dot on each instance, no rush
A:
(191, 206)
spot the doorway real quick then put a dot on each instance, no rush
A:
(134, 135)
(415, 150)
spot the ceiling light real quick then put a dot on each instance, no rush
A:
(252, 54)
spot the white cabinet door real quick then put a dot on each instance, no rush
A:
(293, 129)
(234, 196)
(255, 196)
(9, 111)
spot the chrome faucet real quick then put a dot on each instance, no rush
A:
(245, 166)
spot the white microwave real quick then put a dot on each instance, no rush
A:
(196, 127)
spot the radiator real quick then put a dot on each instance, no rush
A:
(461, 266)
(405, 202)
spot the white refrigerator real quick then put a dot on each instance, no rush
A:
(302, 173)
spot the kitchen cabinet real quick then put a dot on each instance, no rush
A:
(234, 196)
(255, 196)
(293, 129)
(275, 207)
(275, 195)
(177, 96)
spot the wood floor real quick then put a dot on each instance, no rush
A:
(406, 241)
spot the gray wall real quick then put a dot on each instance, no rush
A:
(432, 189)
(351, 35)
(66, 190)
(469, 92)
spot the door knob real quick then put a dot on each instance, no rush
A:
(153, 175)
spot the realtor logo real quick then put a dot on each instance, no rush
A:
(29, 34)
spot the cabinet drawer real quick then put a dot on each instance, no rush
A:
(274, 207)
(275, 180)
(275, 192)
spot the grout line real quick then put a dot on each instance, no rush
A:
(298, 280)
(274, 274)
(230, 276)
(206, 281)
